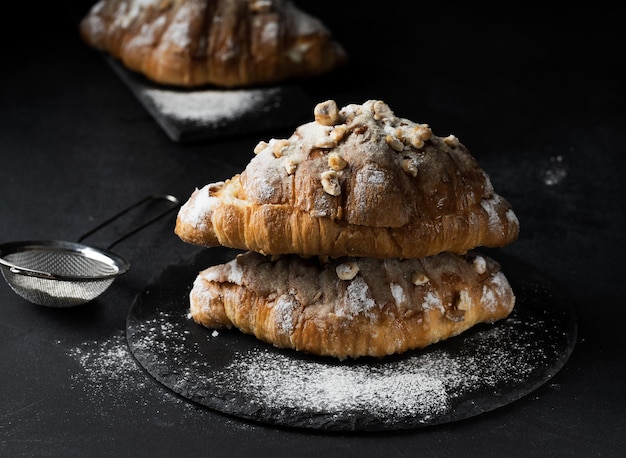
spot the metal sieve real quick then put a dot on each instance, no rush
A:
(64, 274)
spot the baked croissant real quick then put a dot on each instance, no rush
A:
(225, 43)
(357, 181)
(351, 307)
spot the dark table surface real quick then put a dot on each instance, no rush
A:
(539, 98)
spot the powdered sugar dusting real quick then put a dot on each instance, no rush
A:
(478, 371)
(194, 212)
(105, 362)
(109, 375)
(284, 306)
(359, 299)
(209, 107)
(393, 389)
(425, 385)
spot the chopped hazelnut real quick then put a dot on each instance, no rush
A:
(326, 113)
(381, 110)
(260, 147)
(454, 314)
(338, 132)
(451, 141)
(336, 162)
(419, 279)
(409, 165)
(347, 270)
(394, 142)
(419, 134)
(456, 311)
(464, 301)
(290, 166)
(279, 147)
(480, 265)
(330, 183)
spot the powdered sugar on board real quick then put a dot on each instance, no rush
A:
(187, 115)
(483, 369)
(109, 377)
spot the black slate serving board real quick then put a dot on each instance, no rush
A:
(487, 367)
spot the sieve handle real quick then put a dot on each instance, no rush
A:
(166, 197)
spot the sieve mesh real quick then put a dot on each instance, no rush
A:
(55, 293)
(62, 263)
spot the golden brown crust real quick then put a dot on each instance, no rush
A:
(356, 182)
(226, 43)
(351, 307)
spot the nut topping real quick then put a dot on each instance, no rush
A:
(381, 110)
(260, 147)
(338, 132)
(394, 142)
(330, 183)
(419, 279)
(336, 162)
(409, 165)
(451, 141)
(480, 265)
(347, 270)
(279, 147)
(326, 113)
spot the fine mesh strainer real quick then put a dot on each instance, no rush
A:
(64, 274)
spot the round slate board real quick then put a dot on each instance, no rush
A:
(487, 367)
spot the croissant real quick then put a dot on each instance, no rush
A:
(356, 181)
(225, 43)
(351, 307)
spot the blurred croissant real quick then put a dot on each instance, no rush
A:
(225, 43)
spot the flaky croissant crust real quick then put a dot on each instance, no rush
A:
(355, 182)
(226, 43)
(351, 307)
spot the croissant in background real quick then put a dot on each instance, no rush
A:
(225, 43)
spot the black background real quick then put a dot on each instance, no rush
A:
(531, 93)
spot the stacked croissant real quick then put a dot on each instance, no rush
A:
(225, 43)
(358, 237)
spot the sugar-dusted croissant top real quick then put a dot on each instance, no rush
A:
(225, 43)
(357, 181)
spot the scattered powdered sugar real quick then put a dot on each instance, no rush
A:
(423, 387)
(490, 208)
(359, 300)
(106, 362)
(256, 381)
(281, 382)
(110, 377)
(398, 293)
(432, 301)
(556, 172)
(284, 307)
(209, 107)
(194, 211)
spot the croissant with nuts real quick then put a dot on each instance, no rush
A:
(359, 232)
